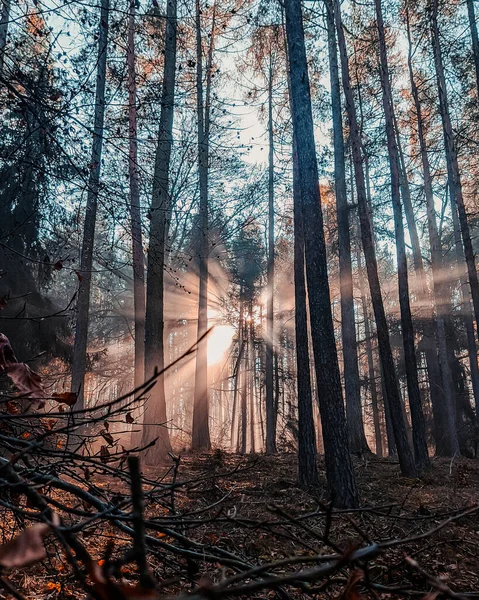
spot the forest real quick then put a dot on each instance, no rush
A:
(239, 299)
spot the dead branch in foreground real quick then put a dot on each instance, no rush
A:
(65, 481)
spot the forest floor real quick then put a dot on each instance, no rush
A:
(251, 506)
(265, 489)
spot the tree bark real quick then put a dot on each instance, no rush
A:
(201, 429)
(474, 37)
(135, 214)
(244, 391)
(271, 415)
(426, 317)
(418, 424)
(393, 400)
(466, 308)
(369, 356)
(251, 381)
(307, 452)
(236, 373)
(155, 413)
(4, 22)
(445, 430)
(454, 178)
(339, 469)
(354, 414)
(427, 321)
(79, 360)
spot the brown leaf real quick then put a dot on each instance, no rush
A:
(129, 418)
(48, 424)
(66, 397)
(27, 382)
(3, 302)
(351, 591)
(58, 266)
(104, 454)
(27, 548)
(107, 437)
(79, 275)
(12, 408)
(7, 356)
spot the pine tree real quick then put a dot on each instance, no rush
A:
(79, 360)
(161, 205)
(339, 469)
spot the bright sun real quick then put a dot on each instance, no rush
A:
(219, 340)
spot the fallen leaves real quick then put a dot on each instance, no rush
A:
(27, 382)
(53, 586)
(28, 547)
(68, 398)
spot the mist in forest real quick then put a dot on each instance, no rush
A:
(276, 231)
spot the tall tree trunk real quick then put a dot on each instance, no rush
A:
(271, 414)
(155, 413)
(339, 468)
(391, 444)
(262, 444)
(427, 320)
(354, 415)
(236, 373)
(307, 452)
(135, 214)
(445, 429)
(466, 308)
(454, 178)
(392, 449)
(83, 300)
(244, 391)
(393, 400)
(414, 394)
(256, 406)
(201, 428)
(4, 22)
(369, 356)
(277, 393)
(251, 379)
(475, 38)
